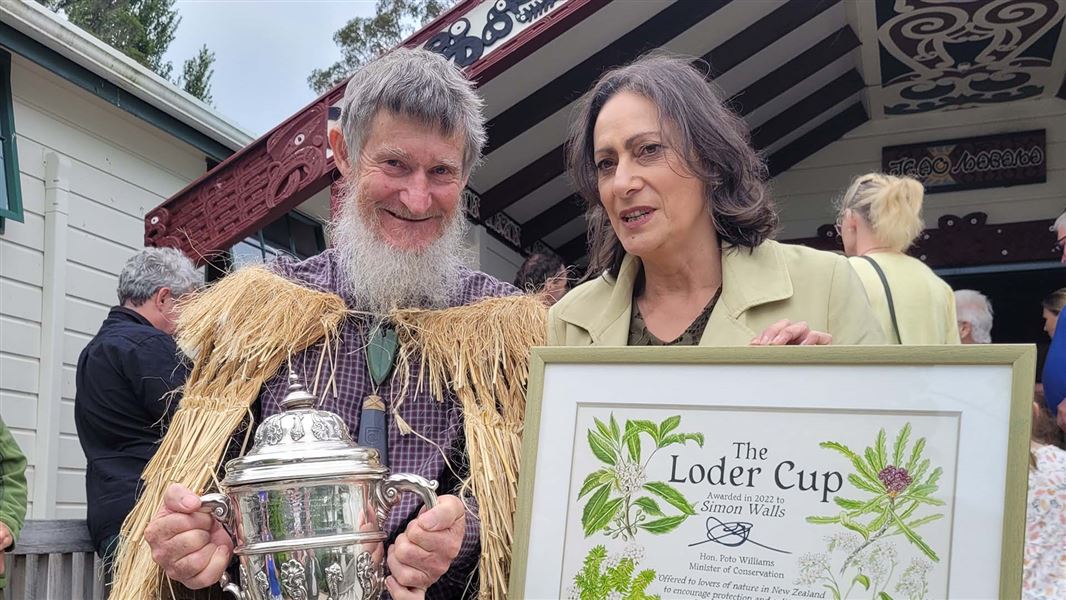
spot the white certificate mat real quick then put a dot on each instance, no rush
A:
(823, 474)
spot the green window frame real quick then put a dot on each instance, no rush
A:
(10, 190)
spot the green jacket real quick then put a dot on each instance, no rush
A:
(12, 487)
(772, 282)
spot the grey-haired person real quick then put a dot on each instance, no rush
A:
(973, 311)
(411, 130)
(125, 377)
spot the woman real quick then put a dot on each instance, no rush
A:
(880, 216)
(1045, 538)
(1054, 375)
(680, 224)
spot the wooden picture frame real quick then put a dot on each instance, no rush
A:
(771, 473)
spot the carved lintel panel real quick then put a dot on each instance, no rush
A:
(484, 29)
(266, 179)
(967, 241)
(938, 55)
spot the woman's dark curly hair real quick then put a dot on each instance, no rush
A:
(733, 173)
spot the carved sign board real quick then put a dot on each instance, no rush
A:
(971, 163)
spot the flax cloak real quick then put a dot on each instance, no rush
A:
(243, 330)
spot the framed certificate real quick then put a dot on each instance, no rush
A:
(771, 473)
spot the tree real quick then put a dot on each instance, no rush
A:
(142, 30)
(365, 38)
(196, 74)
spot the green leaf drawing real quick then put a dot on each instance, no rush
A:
(863, 484)
(823, 520)
(672, 496)
(916, 453)
(599, 579)
(618, 445)
(901, 444)
(632, 441)
(602, 428)
(602, 448)
(663, 525)
(595, 480)
(856, 461)
(650, 506)
(669, 425)
(883, 596)
(682, 438)
(897, 491)
(882, 451)
(862, 580)
(599, 511)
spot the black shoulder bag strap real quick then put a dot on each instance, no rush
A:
(888, 295)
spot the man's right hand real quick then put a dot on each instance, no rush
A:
(191, 546)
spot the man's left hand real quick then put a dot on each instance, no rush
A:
(788, 333)
(1060, 415)
(426, 549)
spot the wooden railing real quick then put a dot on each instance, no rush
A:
(54, 560)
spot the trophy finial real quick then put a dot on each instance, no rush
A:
(297, 396)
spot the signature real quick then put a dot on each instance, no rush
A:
(731, 534)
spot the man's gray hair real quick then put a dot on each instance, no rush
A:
(420, 85)
(975, 308)
(1059, 222)
(152, 269)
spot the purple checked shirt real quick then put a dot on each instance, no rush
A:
(439, 420)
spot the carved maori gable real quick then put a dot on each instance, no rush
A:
(260, 183)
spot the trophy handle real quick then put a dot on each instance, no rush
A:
(233, 588)
(389, 490)
(218, 506)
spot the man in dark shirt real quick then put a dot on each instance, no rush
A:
(124, 382)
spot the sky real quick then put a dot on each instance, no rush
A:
(264, 51)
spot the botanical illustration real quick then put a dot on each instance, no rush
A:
(612, 577)
(900, 488)
(621, 502)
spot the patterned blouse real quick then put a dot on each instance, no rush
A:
(1045, 525)
(640, 336)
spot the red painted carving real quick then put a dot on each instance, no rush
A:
(968, 241)
(260, 183)
(280, 170)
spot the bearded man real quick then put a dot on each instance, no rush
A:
(411, 132)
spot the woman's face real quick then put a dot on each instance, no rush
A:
(1050, 320)
(655, 204)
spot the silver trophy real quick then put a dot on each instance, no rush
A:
(306, 507)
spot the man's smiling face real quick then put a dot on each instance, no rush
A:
(410, 179)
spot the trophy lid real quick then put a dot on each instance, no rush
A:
(301, 442)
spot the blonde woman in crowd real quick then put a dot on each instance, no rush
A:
(680, 227)
(880, 216)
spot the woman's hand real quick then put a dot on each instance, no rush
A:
(787, 333)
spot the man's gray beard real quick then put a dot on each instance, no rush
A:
(380, 278)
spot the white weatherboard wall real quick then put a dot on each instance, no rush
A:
(806, 191)
(89, 172)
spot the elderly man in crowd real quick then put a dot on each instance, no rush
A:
(973, 312)
(124, 379)
(411, 132)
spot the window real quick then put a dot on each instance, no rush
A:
(292, 235)
(10, 191)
